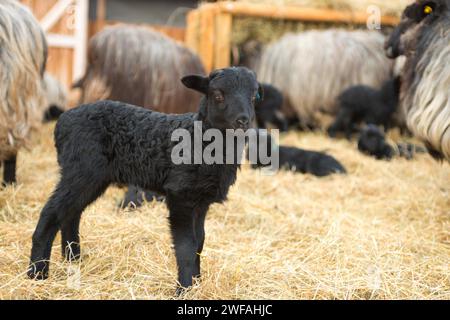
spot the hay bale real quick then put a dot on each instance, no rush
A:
(387, 7)
(140, 66)
(268, 30)
(314, 67)
(23, 54)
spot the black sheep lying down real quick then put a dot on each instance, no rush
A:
(364, 104)
(372, 142)
(302, 161)
(111, 142)
(316, 163)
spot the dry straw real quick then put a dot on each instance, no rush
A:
(381, 232)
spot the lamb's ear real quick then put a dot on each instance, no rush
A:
(260, 92)
(197, 83)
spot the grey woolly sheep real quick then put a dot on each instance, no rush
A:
(146, 70)
(23, 55)
(56, 96)
(423, 36)
(312, 68)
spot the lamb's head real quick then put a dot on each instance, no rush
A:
(230, 97)
(418, 20)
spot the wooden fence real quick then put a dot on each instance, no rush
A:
(208, 31)
(65, 24)
(209, 28)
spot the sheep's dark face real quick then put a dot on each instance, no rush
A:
(231, 95)
(416, 19)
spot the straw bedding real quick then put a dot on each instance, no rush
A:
(381, 232)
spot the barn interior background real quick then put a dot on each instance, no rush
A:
(380, 232)
(210, 28)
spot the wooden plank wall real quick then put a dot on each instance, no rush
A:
(60, 60)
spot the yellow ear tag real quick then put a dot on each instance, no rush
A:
(427, 9)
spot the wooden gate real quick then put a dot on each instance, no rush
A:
(65, 23)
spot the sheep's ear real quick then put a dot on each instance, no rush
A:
(260, 92)
(197, 83)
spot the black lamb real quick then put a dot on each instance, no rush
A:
(112, 142)
(365, 104)
(299, 160)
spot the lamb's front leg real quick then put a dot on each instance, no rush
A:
(200, 215)
(182, 226)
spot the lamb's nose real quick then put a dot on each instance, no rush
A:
(242, 121)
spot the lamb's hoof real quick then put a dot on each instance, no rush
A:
(6, 184)
(72, 257)
(38, 271)
(196, 276)
(180, 291)
(72, 253)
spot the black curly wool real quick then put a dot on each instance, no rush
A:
(111, 142)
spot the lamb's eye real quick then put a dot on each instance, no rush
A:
(256, 97)
(427, 9)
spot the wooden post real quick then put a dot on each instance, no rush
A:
(223, 40)
(298, 13)
(192, 30)
(81, 38)
(101, 15)
(207, 33)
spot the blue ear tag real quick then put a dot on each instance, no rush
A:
(258, 97)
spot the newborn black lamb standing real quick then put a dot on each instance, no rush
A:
(111, 142)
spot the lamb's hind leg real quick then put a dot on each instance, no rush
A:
(70, 224)
(70, 239)
(62, 210)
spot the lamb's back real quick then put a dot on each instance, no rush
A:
(116, 130)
